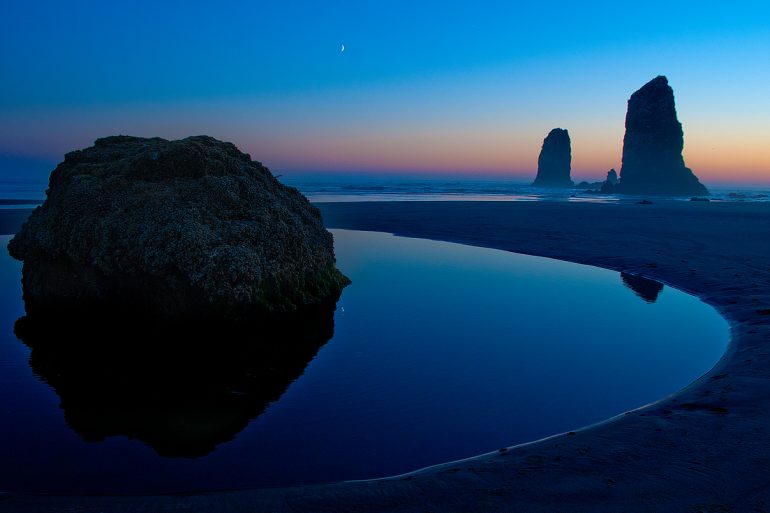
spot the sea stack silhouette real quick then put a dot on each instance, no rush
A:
(553, 165)
(652, 146)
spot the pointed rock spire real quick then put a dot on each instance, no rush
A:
(652, 146)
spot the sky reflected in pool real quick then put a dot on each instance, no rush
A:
(440, 351)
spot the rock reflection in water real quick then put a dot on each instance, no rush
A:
(645, 288)
(179, 387)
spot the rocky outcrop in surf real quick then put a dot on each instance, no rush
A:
(652, 146)
(608, 186)
(190, 227)
(553, 165)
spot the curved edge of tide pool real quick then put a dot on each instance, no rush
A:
(583, 428)
(453, 465)
(705, 446)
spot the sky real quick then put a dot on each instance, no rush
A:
(423, 88)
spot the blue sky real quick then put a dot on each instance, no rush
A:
(477, 84)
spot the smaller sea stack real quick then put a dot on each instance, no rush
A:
(553, 165)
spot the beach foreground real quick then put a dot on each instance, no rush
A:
(707, 448)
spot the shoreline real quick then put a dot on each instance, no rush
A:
(706, 447)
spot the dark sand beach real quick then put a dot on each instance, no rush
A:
(706, 448)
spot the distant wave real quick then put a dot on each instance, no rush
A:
(375, 188)
(320, 189)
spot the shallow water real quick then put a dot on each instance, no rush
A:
(439, 351)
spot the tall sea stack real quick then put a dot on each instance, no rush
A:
(652, 146)
(553, 165)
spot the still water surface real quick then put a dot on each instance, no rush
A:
(439, 351)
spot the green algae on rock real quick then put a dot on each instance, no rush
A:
(187, 227)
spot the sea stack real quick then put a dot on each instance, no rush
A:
(652, 146)
(553, 165)
(191, 228)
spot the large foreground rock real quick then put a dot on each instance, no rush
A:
(554, 162)
(652, 146)
(188, 227)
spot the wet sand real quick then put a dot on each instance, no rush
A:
(706, 448)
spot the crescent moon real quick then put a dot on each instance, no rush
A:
(342, 49)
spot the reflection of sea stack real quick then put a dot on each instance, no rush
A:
(182, 388)
(645, 288)
(183, 227)
(652, 146)
(553, 165)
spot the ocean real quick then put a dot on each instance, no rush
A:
(329, 188)
(382, 188)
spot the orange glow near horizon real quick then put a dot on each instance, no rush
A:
(442, 138)
(504, 153)
(504, 150)
(733, 160)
